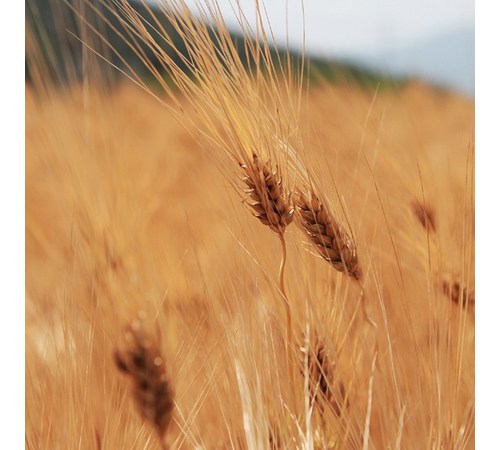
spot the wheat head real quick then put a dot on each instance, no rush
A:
(328, 236)
(425, 215)
(142, 361)
(269, 201)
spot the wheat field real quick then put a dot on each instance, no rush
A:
(138, 232)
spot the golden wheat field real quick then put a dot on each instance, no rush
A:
(159, 311)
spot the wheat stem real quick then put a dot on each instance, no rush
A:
(288, 343)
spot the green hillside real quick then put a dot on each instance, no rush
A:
(55, 31)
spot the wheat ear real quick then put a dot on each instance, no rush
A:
(272, 206)
(328, 236)
(142, 361)
(321, 379)
(425, 215)
(270, 203)
(330, 239)
(459, 294)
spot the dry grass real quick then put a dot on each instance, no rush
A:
(127, 211)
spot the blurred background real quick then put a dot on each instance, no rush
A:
(383, 42)
(428, 39)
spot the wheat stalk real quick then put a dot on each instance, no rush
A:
(142, 361)
(271, 204)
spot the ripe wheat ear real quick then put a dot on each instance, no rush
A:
(142, 361)
(265, 188)
(330, 239)
(327, 235)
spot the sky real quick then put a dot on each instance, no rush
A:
(359, 27)
(432, 40)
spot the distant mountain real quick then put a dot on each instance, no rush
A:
(446, 60)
